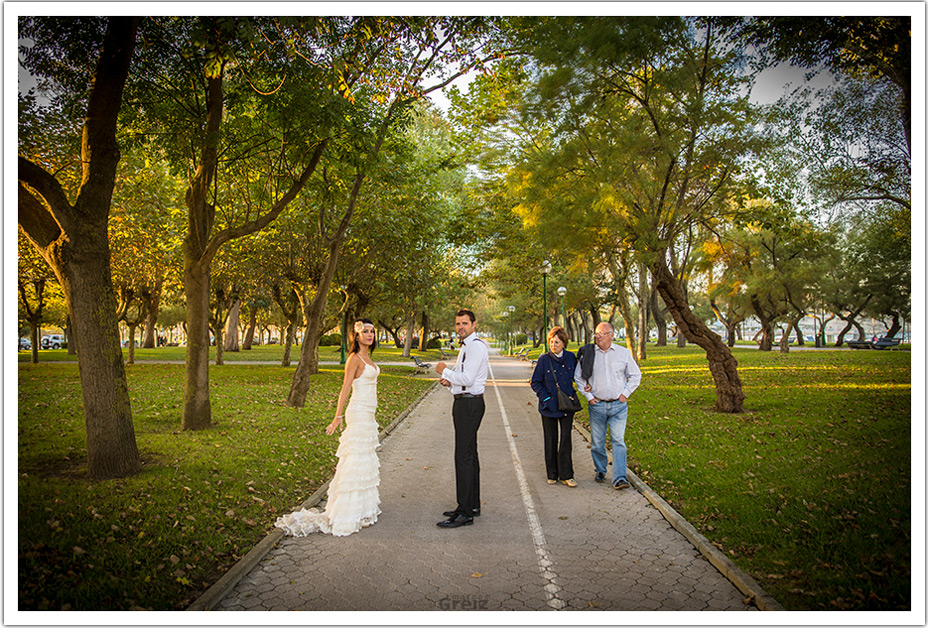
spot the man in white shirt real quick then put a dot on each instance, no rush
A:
(466, 381)
(609, 378)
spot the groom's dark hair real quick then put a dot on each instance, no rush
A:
(468, 314)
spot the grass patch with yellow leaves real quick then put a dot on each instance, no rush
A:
(202, 499)
(809, 489)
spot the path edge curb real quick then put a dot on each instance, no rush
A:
(246, 563)
(745, 583)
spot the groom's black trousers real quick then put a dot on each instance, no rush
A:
(467, 413)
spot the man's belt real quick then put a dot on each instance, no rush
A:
(467, 396)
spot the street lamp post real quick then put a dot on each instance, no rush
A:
(561, 292)
(545, 269)
(511, 309)
(506, 327)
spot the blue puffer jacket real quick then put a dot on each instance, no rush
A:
(544, 385)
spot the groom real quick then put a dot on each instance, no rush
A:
(466, 381)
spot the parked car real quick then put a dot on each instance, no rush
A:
(52, 341)
(25, 344)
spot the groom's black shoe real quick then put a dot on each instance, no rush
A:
(451, 513)
(456, 521)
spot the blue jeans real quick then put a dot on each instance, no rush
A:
(614, 414)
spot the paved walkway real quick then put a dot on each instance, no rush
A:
(535, 547)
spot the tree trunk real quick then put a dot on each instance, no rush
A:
(151, 297)
(644, 295)
(34, 314)
(394, 333)
(731, 324)
(722, 364)
(894, 327)
(309, 351)
(69, 336)
(200, 216)
(111, 446)
(681, 338)
(851, 320)
(288, 338)
(289, 305)
(230, 333)
(197, 413)
(74, 242)
(791, 324)
(252, 325)
(659, 321)
(625, 311)
(132, 329)
(35, 337)
(424, 334)
(410, 327)
(220, 345)
(766, 325)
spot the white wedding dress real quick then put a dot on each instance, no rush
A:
(353, 496)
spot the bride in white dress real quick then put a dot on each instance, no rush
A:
(353, 497)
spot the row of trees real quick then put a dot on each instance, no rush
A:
(629, 152)
(242, 162)
(254, 117)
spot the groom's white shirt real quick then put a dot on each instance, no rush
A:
(471, 370)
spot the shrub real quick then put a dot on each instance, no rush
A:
(330, 340)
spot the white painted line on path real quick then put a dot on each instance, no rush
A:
(545, 564)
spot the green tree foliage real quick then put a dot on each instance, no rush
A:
(875, 48)
(639, 129)
(770, 264)
(146, 234)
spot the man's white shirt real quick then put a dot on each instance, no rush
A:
(615, 373)
(471, 370)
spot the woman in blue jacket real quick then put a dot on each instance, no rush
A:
(556, 368)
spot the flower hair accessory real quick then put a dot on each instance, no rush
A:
(359, 327)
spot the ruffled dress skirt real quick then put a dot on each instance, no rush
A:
(353, 497)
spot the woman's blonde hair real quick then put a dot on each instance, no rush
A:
(560, 333)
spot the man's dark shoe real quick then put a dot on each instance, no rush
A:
(458, 520)
(600, 476)
(620, 484)
(451, 513)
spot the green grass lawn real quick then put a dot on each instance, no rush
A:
(202, 499)
(809, 489)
